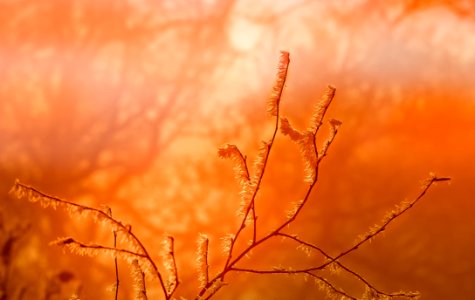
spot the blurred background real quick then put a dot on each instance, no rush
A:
(124, 103)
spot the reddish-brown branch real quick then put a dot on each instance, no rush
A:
(20, 187)
(256, 189)
(433, 179)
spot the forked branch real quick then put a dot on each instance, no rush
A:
(250, 182)
(138, 250)
(312, 157)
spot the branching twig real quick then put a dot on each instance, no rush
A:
(325, 284)
(117, 282)
(273, 109)
(142, 263)
(92, 249)
(393, 215)
(401, 209)
(306, 141)
(22, 191)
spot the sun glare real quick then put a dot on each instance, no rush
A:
(244, 34)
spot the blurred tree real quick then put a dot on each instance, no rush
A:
(93, 93)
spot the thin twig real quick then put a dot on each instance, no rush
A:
(228, 263)
(115, 261)
(175, 269)
(329, 285)
(253, 197)
(95, 249)
(429, 182)
(116, 268)
(358, 276)
(21, 190)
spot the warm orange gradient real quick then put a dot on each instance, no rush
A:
(124, 103)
